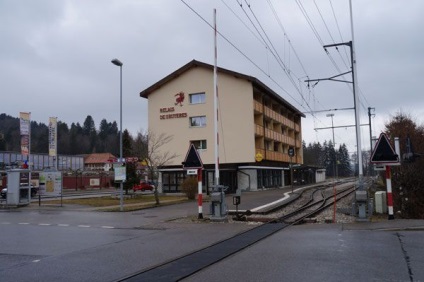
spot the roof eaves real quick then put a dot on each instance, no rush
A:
(194, 63)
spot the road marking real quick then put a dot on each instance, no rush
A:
(23, 223)
(36, 260)
(108, 227)
(44, 224)
(84, 226)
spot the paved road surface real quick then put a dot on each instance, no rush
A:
(60, 243)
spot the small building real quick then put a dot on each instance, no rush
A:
(257, 128)
(98, 161)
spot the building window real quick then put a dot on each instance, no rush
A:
(199, 121)
(199, 144)
(197, 98)
(267, 178)
(268, 145)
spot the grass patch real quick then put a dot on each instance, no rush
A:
(111, 201)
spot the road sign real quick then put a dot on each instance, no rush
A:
(291, 152)
(192, 159)
(191, 171)
(120, 172)
(383, 152)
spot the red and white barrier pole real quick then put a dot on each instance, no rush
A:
(200, 193)
(389, 192)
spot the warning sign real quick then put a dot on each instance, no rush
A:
(192, 159)
(383, 152)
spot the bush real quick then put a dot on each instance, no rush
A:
(189, 187)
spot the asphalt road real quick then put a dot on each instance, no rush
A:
(325, 253)
(58, 243)
(53, 245)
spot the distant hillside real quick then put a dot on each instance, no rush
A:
(72, 140)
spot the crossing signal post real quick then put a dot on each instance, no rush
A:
(192, 164)
(384, 154)
(291, 155)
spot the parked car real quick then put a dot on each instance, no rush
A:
(34, 191)
(144, 186)
(4, 193)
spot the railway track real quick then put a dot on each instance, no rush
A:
(185, 266)
(320, 200)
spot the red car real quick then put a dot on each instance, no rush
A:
(144, 186)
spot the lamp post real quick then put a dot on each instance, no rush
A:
(334, 144)
(334, 169)
(118, 63)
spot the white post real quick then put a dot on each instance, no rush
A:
(215, 103)
(357, 106)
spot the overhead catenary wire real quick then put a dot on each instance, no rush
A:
(329, 32)
(274, 52)
(318, 37)
(243, 54)
(304, 104)
(338, 28)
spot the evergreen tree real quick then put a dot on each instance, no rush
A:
(131, 167)
(63, 139)
(344, 167)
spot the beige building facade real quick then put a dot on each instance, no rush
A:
(256, 127)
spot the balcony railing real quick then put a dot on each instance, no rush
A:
(277, 156)
(257, 106)
(275, 136)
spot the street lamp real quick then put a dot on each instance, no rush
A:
(334, 144)
(118, 63)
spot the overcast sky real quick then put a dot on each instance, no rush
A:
(56, 56)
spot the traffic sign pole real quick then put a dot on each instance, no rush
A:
(192, 162)
(384, 154)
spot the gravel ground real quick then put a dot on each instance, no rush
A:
(343, 209)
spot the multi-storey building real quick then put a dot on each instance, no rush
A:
(257, 128)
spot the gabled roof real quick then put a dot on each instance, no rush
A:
(193, 64)
(98, 158)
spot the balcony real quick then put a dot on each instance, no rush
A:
(257, 106)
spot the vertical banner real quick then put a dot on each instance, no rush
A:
(25, 122)
(53, 137)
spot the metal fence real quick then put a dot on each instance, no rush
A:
(40, 161)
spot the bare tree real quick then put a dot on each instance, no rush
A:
(148, 146)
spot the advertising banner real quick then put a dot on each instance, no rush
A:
(25, 145)
(25, 123)
(24, 119)
(53, 137)
(50, 183)
(120, 172)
